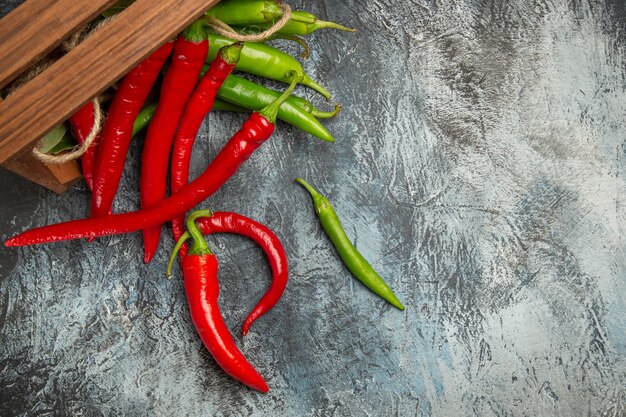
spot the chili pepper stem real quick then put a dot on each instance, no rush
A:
(322, 24)
(200, 246)
(318, 199)
(308, 81)
(303, 17)
(195, 32)
(306, 53)
(326, 114)
(270, 112)
(231, 53)
(185, 237)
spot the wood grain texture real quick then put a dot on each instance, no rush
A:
(58, 178)
(36, 27)
(87, 70)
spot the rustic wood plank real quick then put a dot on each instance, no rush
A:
(36, 27)
(58, 178)
(55, 94)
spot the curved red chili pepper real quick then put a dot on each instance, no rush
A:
(81, 123)
(118, 128)
(190, 51)
(202, 288)
(253, 133)
(225, 222)
(200, 103)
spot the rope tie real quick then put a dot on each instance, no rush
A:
(78, 150)
(227, 31)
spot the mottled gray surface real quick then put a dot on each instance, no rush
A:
(480, 166)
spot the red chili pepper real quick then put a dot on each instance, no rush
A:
(226, 222)
(202, 288)
(118, 128)
(253, 133)
(190, 51)
(82, 123)
(200, 103)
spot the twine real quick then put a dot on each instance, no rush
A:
(78, 150)
(34, 71)
(227, 31)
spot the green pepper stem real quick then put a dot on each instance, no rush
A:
(314, 193)
(200, 246)
(326, 114)
(306, 80)
(302, 16)
(195, 32)
(186, 236)
(270, 112)
(323, 24)
(306, 53)
(231, 53)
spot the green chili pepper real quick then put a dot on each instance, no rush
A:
(303, 103)
(252, 96)
(221, 105)
(300, 27)
(262, 14)
(265, 61)
(245, 12)
(143, 118)
(351, 257)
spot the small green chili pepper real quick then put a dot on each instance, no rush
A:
(252, 96)
(221, 105)
(245, 12)
(143, 118)
(265, 61)
(351, 257)
(298, 26)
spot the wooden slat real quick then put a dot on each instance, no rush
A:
(36, 27)
(57, 178)
(55, 94)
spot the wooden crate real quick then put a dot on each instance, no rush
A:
(34, 29)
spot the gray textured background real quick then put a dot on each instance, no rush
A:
(480, 166)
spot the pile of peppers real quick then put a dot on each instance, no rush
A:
(197, 79)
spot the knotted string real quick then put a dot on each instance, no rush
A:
(227, 31)
(79, 150)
